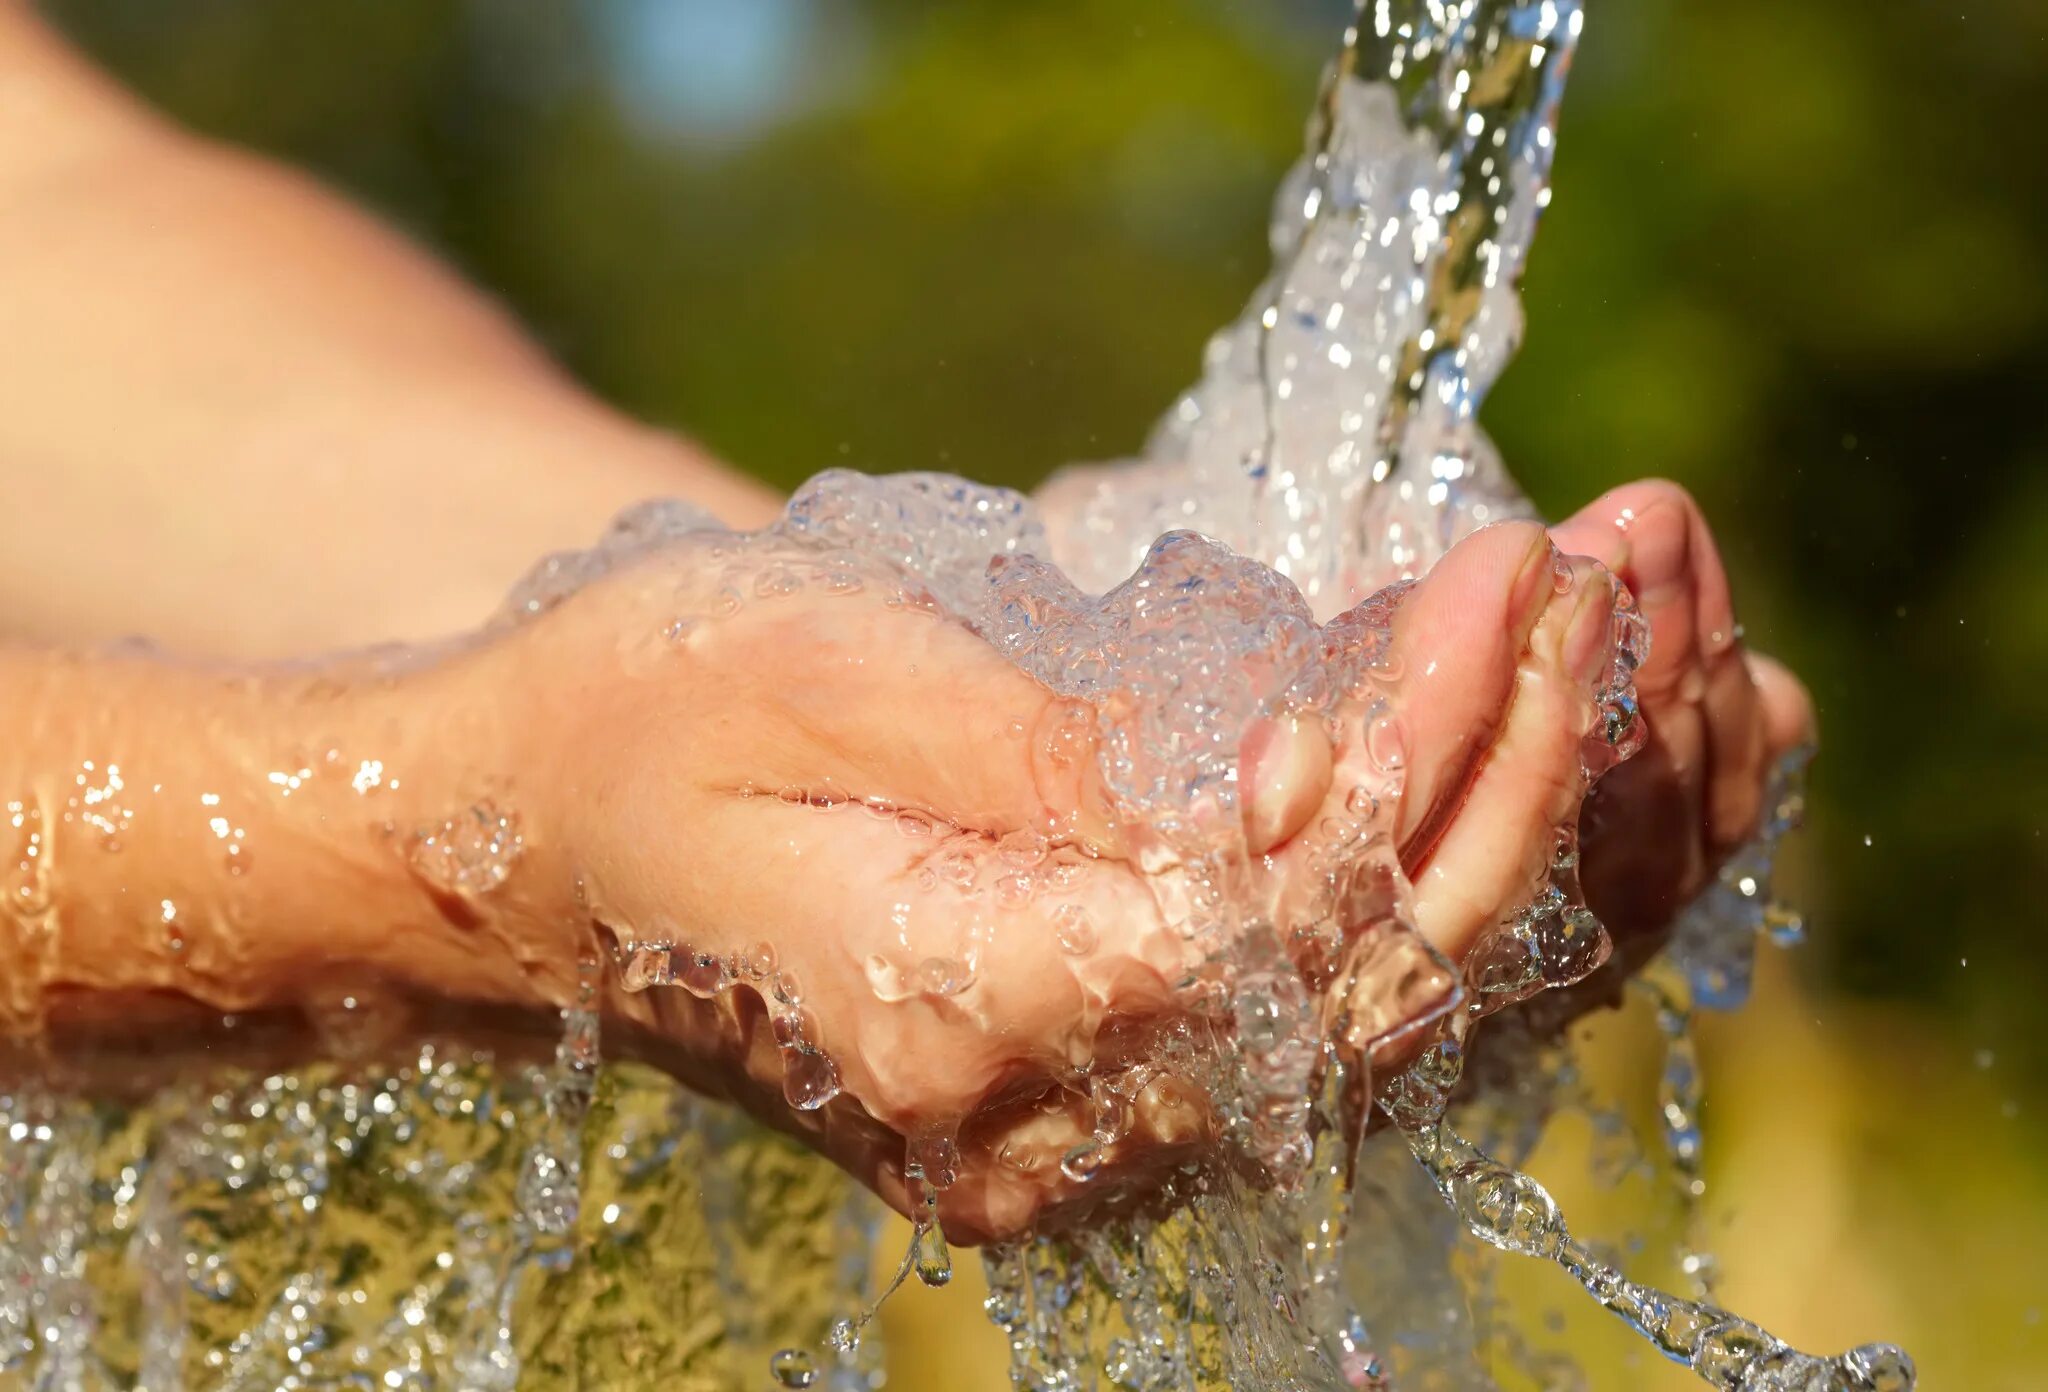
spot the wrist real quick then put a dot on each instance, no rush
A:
(251, 844)
(458, 814)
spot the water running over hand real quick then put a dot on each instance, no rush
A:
(1246, 573)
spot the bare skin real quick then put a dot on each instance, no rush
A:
(265, 357)
(214, 370)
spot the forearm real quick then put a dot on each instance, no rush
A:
(241, 418)
(178, 841)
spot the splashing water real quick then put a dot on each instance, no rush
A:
(1246, 569)
(376, 1227)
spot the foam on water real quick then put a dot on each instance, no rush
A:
(1245, 575)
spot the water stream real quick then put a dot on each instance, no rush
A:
(1249, 566)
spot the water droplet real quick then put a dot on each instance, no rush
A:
(934, 1264)
(1082, 1162)
(702, 974)
(793, 1368)
(646, 964)
(809, 1079)
(775, 582)
(793, 1028)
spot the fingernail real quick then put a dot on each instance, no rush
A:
(1536, 581)
(1589, 638)
(1659, 553)
(1286, 774)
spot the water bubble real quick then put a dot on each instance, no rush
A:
(702, 974)
(957, 868)
(775, 582)
(469, 855)
(1073, 930)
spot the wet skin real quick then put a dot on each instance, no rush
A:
(902, 711)
(195, 372)
(664, 785)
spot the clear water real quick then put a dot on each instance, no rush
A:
(1247, 567)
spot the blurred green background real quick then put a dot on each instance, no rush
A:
(1796, 261)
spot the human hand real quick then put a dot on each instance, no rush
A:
(883, 866)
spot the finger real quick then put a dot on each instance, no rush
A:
(1787, 707)
(1286, 770)
(1497, 849)
(1456, 642)
(1697, 696)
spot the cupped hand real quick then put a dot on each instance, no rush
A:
(879, 864)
